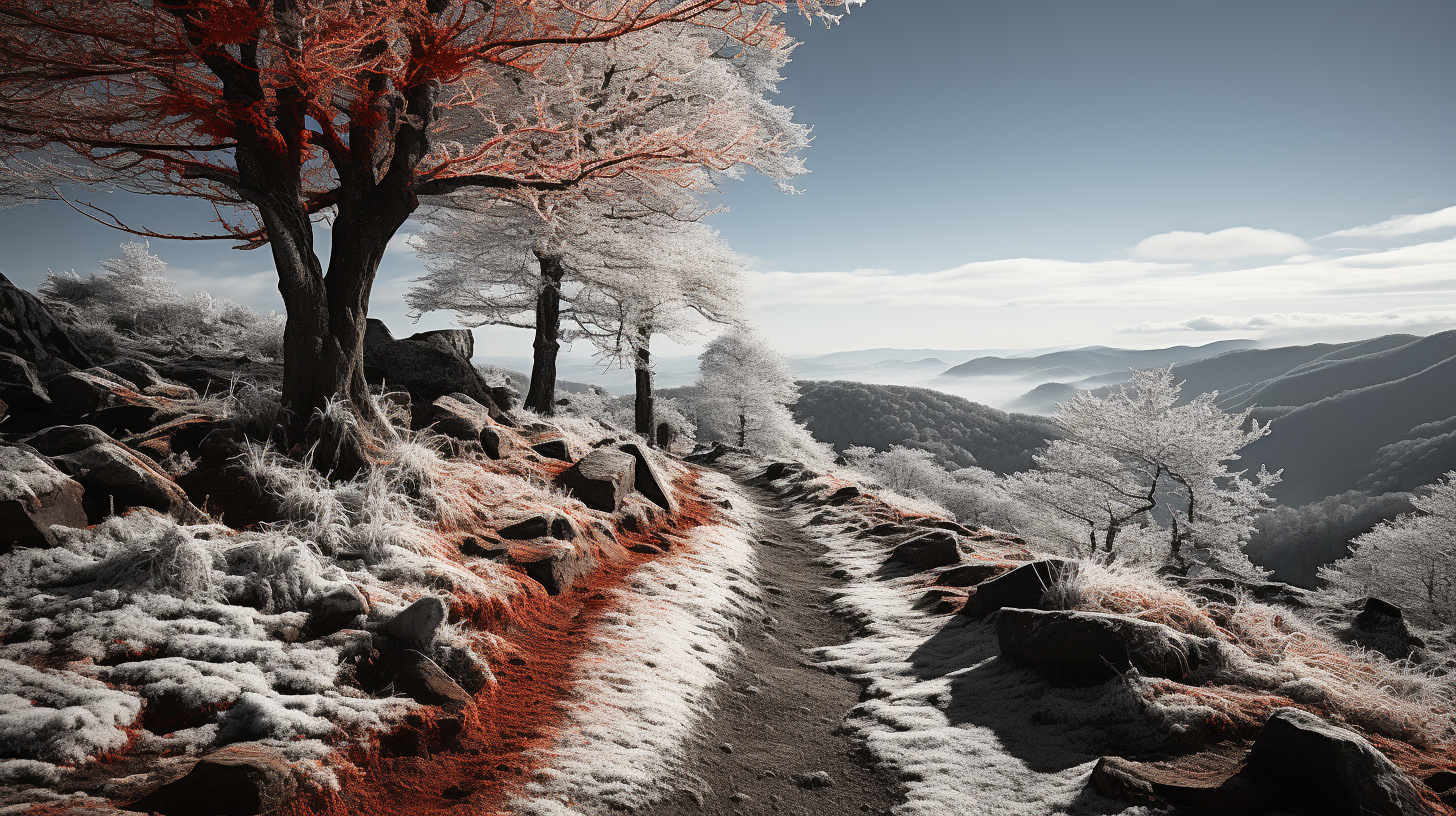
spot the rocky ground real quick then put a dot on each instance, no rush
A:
(497, 612)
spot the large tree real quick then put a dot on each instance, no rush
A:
(278, 112)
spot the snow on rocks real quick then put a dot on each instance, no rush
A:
(33, 497)
(601, 479)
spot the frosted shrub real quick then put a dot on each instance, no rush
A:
(132, 304)
(163, 558)
(1410, 561)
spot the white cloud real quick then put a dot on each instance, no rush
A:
(1402, 225)
(1299, 320)
(1225, 244)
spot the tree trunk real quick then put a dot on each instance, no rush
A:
(742, 430)
(541, 396)
(645, 416)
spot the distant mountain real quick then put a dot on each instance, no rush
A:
(1258, 376)
(1087, 362)
(953, 428)
(1356, 437)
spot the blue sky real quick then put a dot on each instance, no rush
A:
(995, 175)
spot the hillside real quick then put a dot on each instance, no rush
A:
(1087, 362)
(953, 428)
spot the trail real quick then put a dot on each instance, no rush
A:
(775, 742)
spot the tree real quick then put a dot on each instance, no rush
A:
(671, 79)
(746, 387)
(1136, 459)
(1410, 561)
(278, 112)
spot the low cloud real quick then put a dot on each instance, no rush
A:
(1223, 245)
(1298, 320)
(1402, 225)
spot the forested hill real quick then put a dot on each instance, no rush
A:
(953, 428)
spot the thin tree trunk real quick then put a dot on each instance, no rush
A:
(742, 430)
(541, 396)
(644, 404)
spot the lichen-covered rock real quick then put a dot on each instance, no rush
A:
(601, 479)
(1087, 648)
(34, 496)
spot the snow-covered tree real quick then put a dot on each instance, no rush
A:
(660, 84)
(1410, 561)
(1135, 460)
(745, 388)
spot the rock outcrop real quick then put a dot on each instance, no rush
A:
(937, 548)
(28, 329)
(429, 365)
(1087, 648)
(1021, 588)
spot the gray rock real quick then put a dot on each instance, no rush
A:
(337, 609)
(934, 549)
(970, 574)
(428, 365)
(28, 328)
(76, 393)
(33, 496)
(553, 449)
(242, 779)
(424, 681)
(110, 470)
(136, 372)
(460, 417)
(20, 385)
(1381, 626)
(602, 479)
(559, 570)
(525, 529)
(1021, 588)
(649, 479)
(1330, 770)
(813, 779)
(417, 626)
(1087, 648)
(63, 439)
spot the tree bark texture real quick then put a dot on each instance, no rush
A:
(645, 401)
(541, 396)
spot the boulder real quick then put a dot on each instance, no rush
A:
(649, 479)
(80, 392)
(338, 608)
(553, 449)
(844, 494)
(20, 385)
(136, 372)
(1088, 648)
(1021, 588)
(428, 365)
(110, 471)
(28, 328)
(1323, 768)
(970, 574)
(556, 570)
(933, 549)
(243, 779)
(459, 416)
(780, 470)
(425, 682)
(1381, 626)
(34, 496)
(601, 479)
(63, 439)
(416, 627)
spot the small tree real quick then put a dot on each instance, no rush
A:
(1137, 459)
(1410, 561)
(746, 387)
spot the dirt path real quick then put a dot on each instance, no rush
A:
(774, 744)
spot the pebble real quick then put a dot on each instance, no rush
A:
(813, 779)
(739, 797)
(726, 748)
